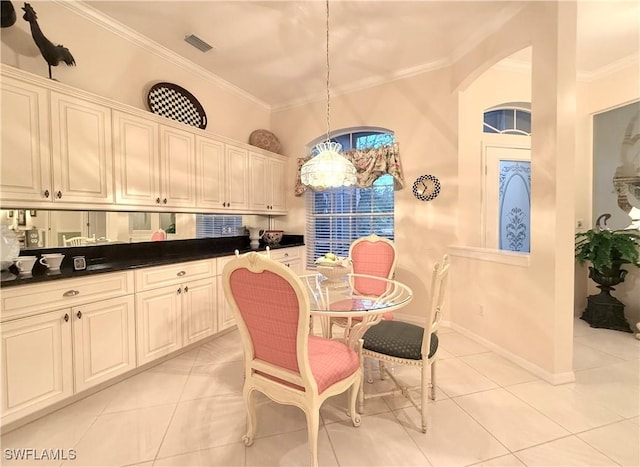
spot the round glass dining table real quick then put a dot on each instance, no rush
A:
(359, 300)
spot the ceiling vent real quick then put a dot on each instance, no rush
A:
(198, 43)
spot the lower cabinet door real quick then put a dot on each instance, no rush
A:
(104, 340)
(36, 363)
(158, 328)
(198, 310)
(225, 315)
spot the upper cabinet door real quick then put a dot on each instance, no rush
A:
(258, 187)
(25, 160)
(237, 177)
(81, 146)
(276, 185)
(210, 169)
(136, 159)
(177, 151)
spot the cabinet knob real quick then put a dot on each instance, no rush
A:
(66, 317)
(70, 293)
(224, 204)
(180, 273)
(158, 200)
(286, 254)
(58, 194)
(79, 314)
(186, 288)
(179, 291)
(164, 200)
(46, 193)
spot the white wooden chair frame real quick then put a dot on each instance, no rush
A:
(308, 399)
(428, 386)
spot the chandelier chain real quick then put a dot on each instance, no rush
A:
(328, 94)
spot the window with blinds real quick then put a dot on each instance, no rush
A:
(212, 225)
(335, 218)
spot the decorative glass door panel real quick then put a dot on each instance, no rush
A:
(514, 212)
(507, 202)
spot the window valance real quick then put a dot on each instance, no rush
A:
(370, 164)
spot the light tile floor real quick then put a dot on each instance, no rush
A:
(188, 411)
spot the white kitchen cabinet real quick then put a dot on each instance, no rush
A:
(103, 340)
(178, 169)
(56, 333)
(222, 175)
(226, 318)
(155, 164)
(199, 310)
(36, 363)
(211, 190)
(158, 327)
(81, 151)
(136, 160)
(175, 306)
(290, 257)
(55, 147)
(25, 160)
(267, 184)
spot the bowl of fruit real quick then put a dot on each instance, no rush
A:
(333, 267)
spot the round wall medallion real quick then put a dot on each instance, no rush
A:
(264, 139)
(426, 187)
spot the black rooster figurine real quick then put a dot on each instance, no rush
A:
(53, 54)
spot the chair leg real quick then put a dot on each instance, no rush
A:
(250, 403)
(423, 396)
(383, 374)
(313, 425)
(361, 390)
(354, 394)
(433, 380)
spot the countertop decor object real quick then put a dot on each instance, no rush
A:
(272, 237)
(264, 139)
(426, 187)
(172, 101)
(9, 249)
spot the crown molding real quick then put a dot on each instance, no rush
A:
(609, 69)
(84, 10)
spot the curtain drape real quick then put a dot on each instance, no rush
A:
(369, 163)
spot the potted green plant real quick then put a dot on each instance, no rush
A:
(607, 250)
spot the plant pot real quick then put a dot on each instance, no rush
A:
(604, 310)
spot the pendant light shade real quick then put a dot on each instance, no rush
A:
(328, 169)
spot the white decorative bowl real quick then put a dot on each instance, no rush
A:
(333, 273)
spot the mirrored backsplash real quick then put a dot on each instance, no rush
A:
(50, 229)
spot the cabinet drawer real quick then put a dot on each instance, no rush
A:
(285, 254)
(160, 276)
(30, 299)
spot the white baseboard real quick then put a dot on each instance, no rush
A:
(553, 378)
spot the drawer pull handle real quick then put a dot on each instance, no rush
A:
(180, 273)
(70, 293)
(79, 314)
(286, 254)
(66, 317)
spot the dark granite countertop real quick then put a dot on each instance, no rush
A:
(101, 259)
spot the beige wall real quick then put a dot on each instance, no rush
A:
(114, 67)
(422, 111)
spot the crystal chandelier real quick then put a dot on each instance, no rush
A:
(328, 169)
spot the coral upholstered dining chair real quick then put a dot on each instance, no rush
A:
(403, 343)
(281, 359)
(375, 256)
